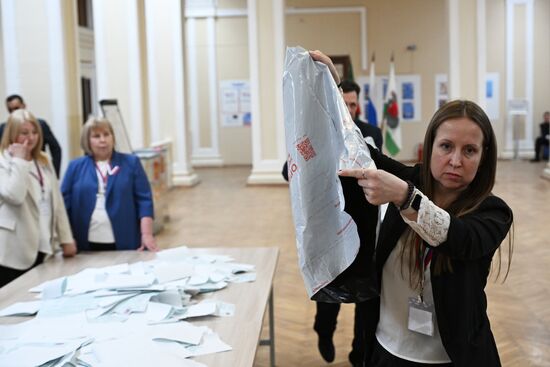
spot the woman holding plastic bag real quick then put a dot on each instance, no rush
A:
(437, 242)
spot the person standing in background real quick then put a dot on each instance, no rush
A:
(351, 91)
(33, 220)
(542, 140)
(15, 102)
(107, 194)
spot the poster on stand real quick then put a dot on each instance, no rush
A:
(492, 95)
(409, 95)
(235, 103)
(441, 90)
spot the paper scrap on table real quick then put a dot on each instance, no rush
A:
(54, 288)
(211, 343)
(33, 354)
(181, 332)
(167, 272)
(173, 254)
(21, 309)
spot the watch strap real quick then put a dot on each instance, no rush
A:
(408, 200)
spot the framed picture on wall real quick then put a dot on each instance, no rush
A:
(343, 66)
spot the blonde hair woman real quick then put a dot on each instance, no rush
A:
(33, 220)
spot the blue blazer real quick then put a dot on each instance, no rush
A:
(128, 198)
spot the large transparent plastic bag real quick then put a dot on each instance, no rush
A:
(335, 226)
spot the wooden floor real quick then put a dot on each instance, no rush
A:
(223, 211)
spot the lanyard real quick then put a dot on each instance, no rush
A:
(423, 260)
(38, 177)
(110, 171)
(105, 177)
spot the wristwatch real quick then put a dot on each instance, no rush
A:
(415, 204)
(408, 200)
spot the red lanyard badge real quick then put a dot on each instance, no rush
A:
(38, 177)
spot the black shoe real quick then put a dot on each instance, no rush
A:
(535, 160)
(326, 348)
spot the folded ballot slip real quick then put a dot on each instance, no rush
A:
(321, 138)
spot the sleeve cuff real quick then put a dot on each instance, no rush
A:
(432, 223)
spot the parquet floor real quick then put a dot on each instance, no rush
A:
(223, 211)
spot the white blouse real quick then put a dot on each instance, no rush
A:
(392, 332)
(101, 229)
(41, 186)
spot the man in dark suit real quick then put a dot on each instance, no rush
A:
(351, 97)
(15, 102)
(542, 140)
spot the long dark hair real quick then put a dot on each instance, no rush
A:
(468, 199)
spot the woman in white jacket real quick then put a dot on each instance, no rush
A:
(33, 220)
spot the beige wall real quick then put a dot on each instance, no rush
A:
(391, 26)
(73, 87)
(419, 22)
(468, 50)
(55, 100)
(541, 62)
(232, 4)
(496, 59)
(163, 73)
(203, 85)
(146, 139)
(232, 49)
(122, 72)
(334, 34)
(520, 50)
(267, 78)
(32, 26)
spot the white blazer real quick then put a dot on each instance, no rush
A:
(19, 214)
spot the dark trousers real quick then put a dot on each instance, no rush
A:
(539, 143)
(9, 274)
(95, 246)
(363, 330)
(382, 358)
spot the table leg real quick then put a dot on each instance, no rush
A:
(271, 340)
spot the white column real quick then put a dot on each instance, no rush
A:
(525, 148)
(203, 155)
(9, 40)
(213, 91)
(166, 84)
(120, 63)
(453, 11)
(481, 53)
(50, 87)
(266, 166)
(58, 77)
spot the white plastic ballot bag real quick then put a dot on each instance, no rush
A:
(321, 138)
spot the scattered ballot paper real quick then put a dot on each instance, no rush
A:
(54, 288)
(21, 309)
(125, 314)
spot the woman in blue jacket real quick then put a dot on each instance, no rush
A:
(107, 194)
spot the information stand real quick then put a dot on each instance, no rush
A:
(110, 110)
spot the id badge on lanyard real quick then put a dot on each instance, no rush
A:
(44, 204)
(421, 314)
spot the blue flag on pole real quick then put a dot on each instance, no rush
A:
(372, 118)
